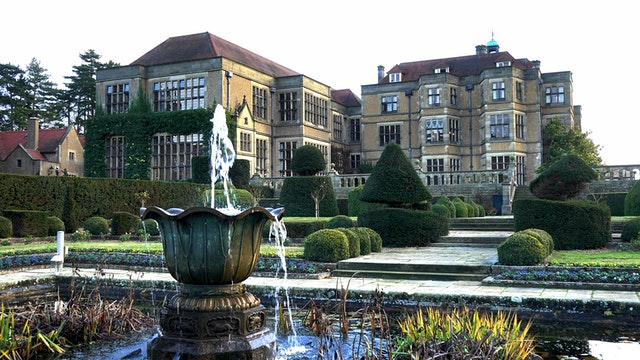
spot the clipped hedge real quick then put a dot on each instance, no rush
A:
(326, 245)
(444, 200)
(340, 221)
(578, 224)
(376, 240)
(357, 206)
(123, 222)
(301, 228)
(615, 201)
(296, 198)
(365, 240)
(6, 228)
(55, 225)
(441, 209)
(521, 249)
(632, 201)
(28, 222)
(404, 227)
(461, 209)
(631, 230)
(354, 241)
(96, 225)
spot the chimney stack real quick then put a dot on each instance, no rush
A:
(33, 132)
(380, 73)
(481, 49)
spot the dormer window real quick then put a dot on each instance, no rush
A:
(441, 70)
(395, 77)
(503, 63)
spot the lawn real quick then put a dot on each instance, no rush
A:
(596, 258)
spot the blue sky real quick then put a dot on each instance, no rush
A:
(341, 43)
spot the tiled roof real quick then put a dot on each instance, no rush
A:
(48, 141)
(460, 66)
(206, 46)
(345, 97)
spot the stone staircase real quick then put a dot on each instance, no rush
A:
(477, 232)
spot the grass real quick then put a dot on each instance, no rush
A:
(596, 258)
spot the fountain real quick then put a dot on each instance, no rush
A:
(210, 252)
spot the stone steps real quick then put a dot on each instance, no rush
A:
(408, 271)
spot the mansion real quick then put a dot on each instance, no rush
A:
(483, 111)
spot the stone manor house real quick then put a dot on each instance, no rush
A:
(483, 111)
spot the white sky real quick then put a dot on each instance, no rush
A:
(341, 43)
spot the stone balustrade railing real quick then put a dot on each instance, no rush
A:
(618, 172)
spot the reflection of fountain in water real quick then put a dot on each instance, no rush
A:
(210, 252)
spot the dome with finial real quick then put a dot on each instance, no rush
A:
(492, 46)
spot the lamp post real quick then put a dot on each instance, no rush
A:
(408, 94)
(469, 88)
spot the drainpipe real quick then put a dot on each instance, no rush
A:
(408, 94)
(469, 89)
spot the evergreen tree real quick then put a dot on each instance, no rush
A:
(42, 95)
(14, 108)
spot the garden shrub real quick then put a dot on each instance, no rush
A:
(28, 222)
(376, 240)
(326, 245)
(296, 198)
(365, 240)
(6, 228)
(441, 209)
(563, 179)
(123, 222)
(201, 169)
(404, 227)
(632, 201)
(521, 249)
(481, 212)
(471, 210)
(240, 198)
(301, 228)
(149, 227)
(615, 201)
(354, 242)
(96, 225)
(339, 221)
(55, 225)
(444, 200)
(543, 237)
(576, 224)
(357, 206)
(307, 160)
(240, 173)
(461, 209)
(630, 230)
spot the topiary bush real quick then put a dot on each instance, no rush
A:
(296, 197)
(404, 227)
(6, 228)
(444, 200)
(340, 221)
(471, 210)
(461, 209)
(365, 240)
(521, 249)
(149, 227)
(96, 225)
(123, 222)
(441, 209)
(307, 160)
(240, 173)
(564, 179)
(28, 222)
(631, 230)
(326, 245)
(544, 238)
(632, 201)
(357, 206)
(354, 241)
(55, 225)
(376, 240)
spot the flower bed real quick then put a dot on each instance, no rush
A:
(562, 277)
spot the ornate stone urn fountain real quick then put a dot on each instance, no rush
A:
(210, 252)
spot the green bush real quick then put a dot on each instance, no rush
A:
(461, 209)
(441, 209)
(6, 228)
(240, 173)
(96, 225)
(354, 242)
(327, 245)
(444, 200)
(471, 210)
(149, 227)
(576, 224)
(55, 225)
(201, 170)
(123, 222)
(615, 201)
(365, 240)
(340, 221)
(376, 240)
(630, 230)
(544, 238)
(239, 198)
(404, 227)
(28, 222)
(632, 201)
(357, 206)
(296, 197)
(521, 249)
(564, 179)
(307, 160)
(301, 228)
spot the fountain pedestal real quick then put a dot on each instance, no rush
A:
(212, 316)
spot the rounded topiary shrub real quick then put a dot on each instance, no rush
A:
(96, 225)
(542, 236)
(354, 241)
(55, 225)
(357, 206)
(307, 160)
(327, 245)
(461, 209)
(376, 240)
(340, 221)
(631, 230)
(365, 240)
(632, 201)
(441, 209)
(6, 228)
(444, 200)
(123, 222)
(149, 227)
(521, 249)
(471, 210)
(404, 227)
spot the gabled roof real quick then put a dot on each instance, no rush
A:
(206, 46)
(460, 66)
(345, 97)
(48, 141)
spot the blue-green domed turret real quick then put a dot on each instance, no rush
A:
(492, 46)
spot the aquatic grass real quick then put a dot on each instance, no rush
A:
(22, 342)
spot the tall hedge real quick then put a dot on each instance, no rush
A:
(296, 198)
(578, 224)
(404, 227)
(28, 222)
(632, 201)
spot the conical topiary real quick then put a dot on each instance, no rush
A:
(394, 181)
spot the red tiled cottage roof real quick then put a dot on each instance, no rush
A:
(345, 97)
(206, 46)
(48, 141)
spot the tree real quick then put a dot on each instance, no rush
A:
(394, 181)
(14, 109)
(81, 93)
(560, 139)
(307, 161)
(42, 95)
